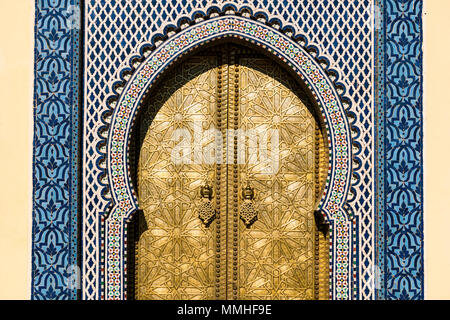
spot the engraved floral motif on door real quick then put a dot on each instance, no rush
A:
(230, 131)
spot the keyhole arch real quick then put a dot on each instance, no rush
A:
(123, 199)
(169, 85)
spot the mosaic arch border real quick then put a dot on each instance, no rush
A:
(56, 150)
(338, 183)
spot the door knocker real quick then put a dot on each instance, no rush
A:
(206, 211)
(248, 212)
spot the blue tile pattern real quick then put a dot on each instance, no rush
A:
(404, 150)
(400, 151)
(55, 150)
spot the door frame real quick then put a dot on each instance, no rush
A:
(303, 62)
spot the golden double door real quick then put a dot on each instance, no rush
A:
(231, 163)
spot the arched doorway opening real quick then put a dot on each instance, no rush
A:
(229, 161)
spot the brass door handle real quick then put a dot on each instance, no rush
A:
(206, 211)
(248, 212)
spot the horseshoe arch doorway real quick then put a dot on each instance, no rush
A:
(229, 162)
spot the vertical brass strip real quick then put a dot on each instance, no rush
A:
(220, 263)
(222, 177)
(324, 248)
(233, 190)
(235, 121)
(229, 284)
(317, 195)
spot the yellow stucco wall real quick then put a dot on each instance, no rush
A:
(16, 76)
(16, 83)
(437, 149)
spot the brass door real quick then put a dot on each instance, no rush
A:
(230, 167)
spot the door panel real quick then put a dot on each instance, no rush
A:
(175, 252)
(277, 253)
(266, 138)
